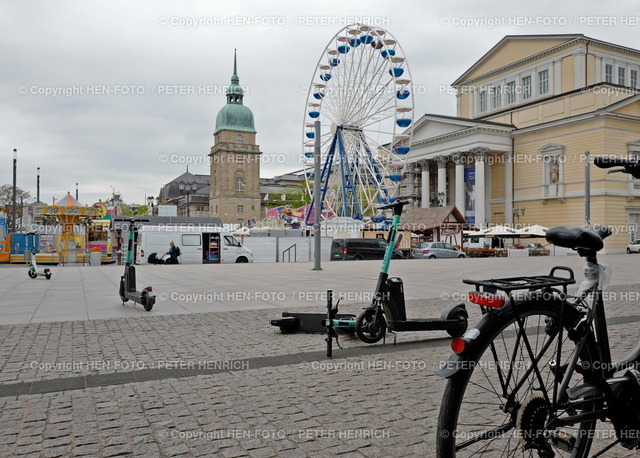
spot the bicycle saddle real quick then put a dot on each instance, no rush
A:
(577, 237)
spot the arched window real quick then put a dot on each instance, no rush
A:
(239, 139)
(239, 185)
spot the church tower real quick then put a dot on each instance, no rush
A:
(235, 160)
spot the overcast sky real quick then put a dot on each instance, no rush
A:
(115, 124)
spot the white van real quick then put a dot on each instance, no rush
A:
(198, 244)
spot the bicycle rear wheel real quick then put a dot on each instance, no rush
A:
(498, 405)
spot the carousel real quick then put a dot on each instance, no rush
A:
(68, 213)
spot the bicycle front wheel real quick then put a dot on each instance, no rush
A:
(500, 403)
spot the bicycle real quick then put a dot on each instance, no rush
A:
(534, 374)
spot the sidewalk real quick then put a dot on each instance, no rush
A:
(183, 380)
(87, 293)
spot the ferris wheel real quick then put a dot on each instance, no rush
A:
(361, 94)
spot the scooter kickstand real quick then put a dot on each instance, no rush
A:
(394, 336)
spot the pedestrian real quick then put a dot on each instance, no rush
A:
(174, 252)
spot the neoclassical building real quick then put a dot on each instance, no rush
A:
(527, 112)
(235, 160)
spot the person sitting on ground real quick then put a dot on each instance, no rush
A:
(174, 252)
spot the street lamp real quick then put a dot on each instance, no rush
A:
(13, 198)
(188, 188)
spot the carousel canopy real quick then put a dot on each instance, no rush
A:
(68, 201)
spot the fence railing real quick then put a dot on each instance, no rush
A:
(288, 253)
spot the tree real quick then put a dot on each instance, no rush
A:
(140, 210)
(295, 198)
(6, 196)
(6, 202)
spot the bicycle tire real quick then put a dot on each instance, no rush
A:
(466, 390)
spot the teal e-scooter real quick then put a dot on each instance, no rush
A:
(388, 310)
(128, 290)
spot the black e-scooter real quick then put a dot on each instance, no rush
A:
(388, 311)
(128, 280)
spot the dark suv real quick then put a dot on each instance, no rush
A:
(359, 249)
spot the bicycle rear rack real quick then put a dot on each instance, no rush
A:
(533, 283)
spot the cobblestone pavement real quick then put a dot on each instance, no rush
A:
(277, 396)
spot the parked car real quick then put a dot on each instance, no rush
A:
(535, 249)
(359, 249)
(530, 246)
(430, 250)
(633, 247)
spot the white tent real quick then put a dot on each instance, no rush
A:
(243, 231)
(498, 231)
(534, 231)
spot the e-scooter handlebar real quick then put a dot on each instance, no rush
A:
(396, 206)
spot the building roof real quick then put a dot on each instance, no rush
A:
(171, 190)
(427, 219)
(552, 43)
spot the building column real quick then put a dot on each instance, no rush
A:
(410, 179)
(460, 197)
(481, 209)
(508, 188)
(442, 181)
(425, 193)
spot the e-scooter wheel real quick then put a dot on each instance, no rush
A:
(32, 273)
(147, 300)
(122, 296)
(369, 328)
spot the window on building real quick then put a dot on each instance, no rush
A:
(553, 170)
(483, 101)
(526, 87)
(543, 82)
(239, 139)
(239, 185)
(608, 73)
(240, 208)
(511, 92)
(633, 79)
(621, 76)
(240, 163)
(497, 96)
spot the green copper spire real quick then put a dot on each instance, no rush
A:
(235, 93)
(234, 115)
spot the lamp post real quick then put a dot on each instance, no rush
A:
(13, 198)
(188, 188)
